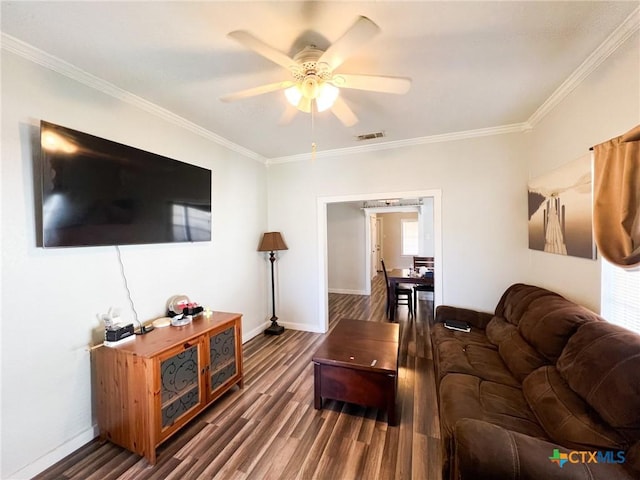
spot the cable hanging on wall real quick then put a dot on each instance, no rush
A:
(126, 286)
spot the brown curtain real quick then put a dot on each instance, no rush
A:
(616, 199)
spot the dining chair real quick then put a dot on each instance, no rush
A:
(417, 263)
(403, 295)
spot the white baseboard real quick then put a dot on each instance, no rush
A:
(345, 291)
(300, 326)
(246, 336)
(55, 455)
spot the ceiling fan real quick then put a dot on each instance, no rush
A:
(314, 85)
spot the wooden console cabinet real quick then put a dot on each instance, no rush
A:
(150, 387)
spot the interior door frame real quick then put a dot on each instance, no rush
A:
(369, 213)
(379, 241)
(373, 254)
(323, 268)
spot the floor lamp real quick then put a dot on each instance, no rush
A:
(271, 242)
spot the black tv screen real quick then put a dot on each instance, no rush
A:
(99, 192)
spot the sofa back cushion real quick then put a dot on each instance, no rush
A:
(601, 363)
(532, 325)
(520, 357)
(516, 299)
(499, 330)
(565, 416)
(550, 321)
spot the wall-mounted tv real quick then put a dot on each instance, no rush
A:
(99, 192)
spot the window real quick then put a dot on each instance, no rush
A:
(621, 295)
(409, 237)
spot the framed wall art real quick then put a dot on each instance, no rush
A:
(560, 206)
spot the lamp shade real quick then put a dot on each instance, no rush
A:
(272, 241)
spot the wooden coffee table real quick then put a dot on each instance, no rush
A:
(358, 363)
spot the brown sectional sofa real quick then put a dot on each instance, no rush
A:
(539, 374)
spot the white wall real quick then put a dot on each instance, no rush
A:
(46, 388)
(483, 184)
(392, 239)
(605, 105)
(50, 297)
(346, 256)
(427, 240)
(484, 224)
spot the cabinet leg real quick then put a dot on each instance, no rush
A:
(317, 398)
(392, 418)
(151, 457)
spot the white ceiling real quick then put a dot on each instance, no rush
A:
(474, 65)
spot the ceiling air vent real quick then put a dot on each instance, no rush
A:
(369, 136)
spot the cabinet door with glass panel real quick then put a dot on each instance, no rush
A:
(224, 360)
(181, 385)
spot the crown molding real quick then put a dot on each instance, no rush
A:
(40, 57)
(445, 137)
(620, 35)
(608, 47)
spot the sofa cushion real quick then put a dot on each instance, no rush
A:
(632, 459)
(516, 299)
(454, 356)
(601, 363)
(517, 354)
(474, 318)
(466, 396)
(565, 416)
(474, 337)
(520, 357)
(486, 452)
(549, 322)
(499, 330)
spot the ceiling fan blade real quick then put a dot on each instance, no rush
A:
(288, 115)
(304, 105)
(261, 48)
(360, 32)
(251, 92)
(372, 83)
(341, 110)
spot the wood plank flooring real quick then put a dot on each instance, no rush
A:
(270, 430)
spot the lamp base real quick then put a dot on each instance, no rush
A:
(274, 329)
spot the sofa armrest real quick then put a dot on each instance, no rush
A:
(472, 317)
(482, 451)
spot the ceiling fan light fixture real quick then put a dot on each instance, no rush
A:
(327, 97)
(293, 95)
(312, 73)
(310, 86)
(300, 96)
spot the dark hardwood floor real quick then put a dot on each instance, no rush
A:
(270, 430)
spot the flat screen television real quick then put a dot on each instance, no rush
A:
(98, 192)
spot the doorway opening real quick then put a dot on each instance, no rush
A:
(370, 212)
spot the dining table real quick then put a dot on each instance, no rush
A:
(405, 275)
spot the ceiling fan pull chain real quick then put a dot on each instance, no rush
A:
(313, 143)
